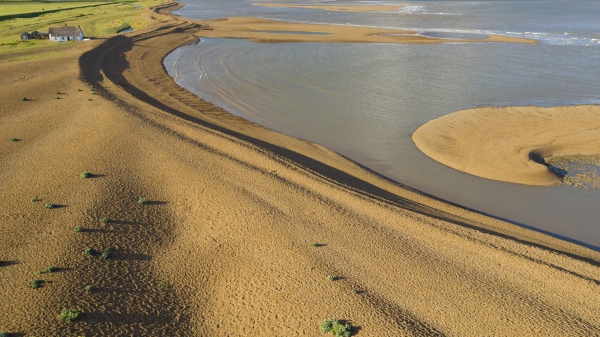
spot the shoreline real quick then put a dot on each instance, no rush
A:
(220, 114)
(243, 226)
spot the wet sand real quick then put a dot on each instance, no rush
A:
(513, 144)
(257, 29)
(345, 8)
(223, 247)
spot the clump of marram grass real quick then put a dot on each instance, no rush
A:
(4, 334)
(315, 244)
(333, 278)
(12, 140)
(23, 99)
(68, 315)
(106, 254)
(36, 283)
(89, 289)
(142, 201)
(50, 205)
(85, 175)
(90, 251)
(105, 220)
(48, 270)
(78, 229)
(334, 327)
(34, 199)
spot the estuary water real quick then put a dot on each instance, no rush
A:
(365, 100)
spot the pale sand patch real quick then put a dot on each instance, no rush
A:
(333, 8)
(253, 29)
(511, 144)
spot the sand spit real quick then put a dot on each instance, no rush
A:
(513, 144)
(334, 8)
(223, 247)
(257, 30)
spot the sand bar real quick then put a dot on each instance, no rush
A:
(334, 8)
(513, 144)
(254, 29)
(223, 247)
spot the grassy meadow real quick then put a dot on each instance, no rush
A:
(94, 18)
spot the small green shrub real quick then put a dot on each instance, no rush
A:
(314, 244)
(35, 199)
(93, 92)
(332, 278)
(50, 269)
(78, 229)
(85, 175)
(14, 140)
(355, 291)
(164, 285)
(4, 334)
(142, 201)
(79, 90)
(68, 315)
(105, 256)
(36, 284)
(89, 99)
(50, 205)
(105, 220)
(334, 327)
(90, 251)
(56, 97)
(59, 93)
(23, 99)
(89, 289)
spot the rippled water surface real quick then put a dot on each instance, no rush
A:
(365, 100)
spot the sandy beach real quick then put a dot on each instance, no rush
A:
(512, 144)
(261, 30)
(243, 226)
(349, 8)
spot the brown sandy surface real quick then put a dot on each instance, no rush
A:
(233, 210)
(513, 144)
(253, 29)
(336, 8)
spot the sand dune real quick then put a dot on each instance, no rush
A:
(513, 144)
(223, 248)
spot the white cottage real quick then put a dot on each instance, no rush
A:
(66, 33)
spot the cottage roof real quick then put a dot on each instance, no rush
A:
(64, 31)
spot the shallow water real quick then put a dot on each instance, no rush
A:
(365, 100)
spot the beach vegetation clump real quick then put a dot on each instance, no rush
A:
(105, 220)
(89, 289)
(106, 253)
(334, 327)
(85, 175)
(333, 278)
(14, 140)
(4, 334)
(315, 244)
(34, 199)
(36, 284)
(68, 315)
(50, 205)
(90, 251)
(142, 201)
(50, 269)
(23, 99)
(78, 229)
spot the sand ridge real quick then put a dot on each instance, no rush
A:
(512, 144)
(257, 30)
(335, 8)
(233, 211)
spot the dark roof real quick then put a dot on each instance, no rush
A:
(64, 31)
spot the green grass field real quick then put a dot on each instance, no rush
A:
(95, 19)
